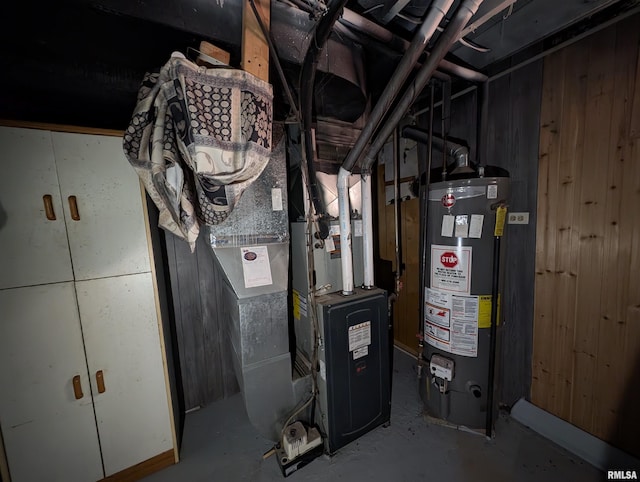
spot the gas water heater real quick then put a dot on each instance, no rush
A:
(460, 276)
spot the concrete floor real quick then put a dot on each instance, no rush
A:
(221, 445)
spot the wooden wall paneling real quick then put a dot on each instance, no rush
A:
(165, 300)
(590, 347)
(183, 270)
(543, 382)
(212, 382)
(498, 131)
(519, 262)
(627, 414)
(230, 382)
(591, 221)
(568, 181)
(411, 255)
(205, 359)
(611, 367)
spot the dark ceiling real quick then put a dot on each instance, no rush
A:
(80, 62)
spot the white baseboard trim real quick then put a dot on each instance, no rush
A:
(592, 449)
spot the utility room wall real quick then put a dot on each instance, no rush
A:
(586, 356)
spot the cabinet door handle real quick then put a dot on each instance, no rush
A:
(100, 381)
(48, 207)
(77, 387)
(73, 207)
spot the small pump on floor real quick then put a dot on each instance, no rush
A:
(300, 445)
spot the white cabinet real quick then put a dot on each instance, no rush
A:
(48, 433)
(109, 236)
(83, 383)
(33, 249)
(121, 338)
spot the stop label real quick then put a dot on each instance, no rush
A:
(449, 259)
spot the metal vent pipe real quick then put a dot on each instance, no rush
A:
(355, 21)
(464, 13)
(439, 9)
(458, 152)
(436, 13)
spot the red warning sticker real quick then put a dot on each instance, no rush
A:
(451, 268)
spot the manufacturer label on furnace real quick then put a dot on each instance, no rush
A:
(359, 335)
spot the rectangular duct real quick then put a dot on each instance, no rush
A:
(257, 316)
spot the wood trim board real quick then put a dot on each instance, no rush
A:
(143, 469)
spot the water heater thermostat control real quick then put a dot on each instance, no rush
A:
(441, 367)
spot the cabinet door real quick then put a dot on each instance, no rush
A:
(33, 249)
(122, 341)
(48, 433)
(109, 237)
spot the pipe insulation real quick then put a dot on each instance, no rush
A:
(463, 14)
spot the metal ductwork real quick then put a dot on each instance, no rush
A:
(340, 67)
(257, 317)
(457, 152)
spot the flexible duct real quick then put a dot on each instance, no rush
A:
(307, 82)
(449, 35)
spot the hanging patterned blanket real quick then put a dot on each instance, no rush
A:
(197, 138)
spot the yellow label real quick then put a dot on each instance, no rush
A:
(296, 305)
(484, 311)
(501, 216)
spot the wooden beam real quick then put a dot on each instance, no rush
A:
(209, 50)
(255, 49)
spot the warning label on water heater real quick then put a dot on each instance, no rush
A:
(451, 322)
(451, 268)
